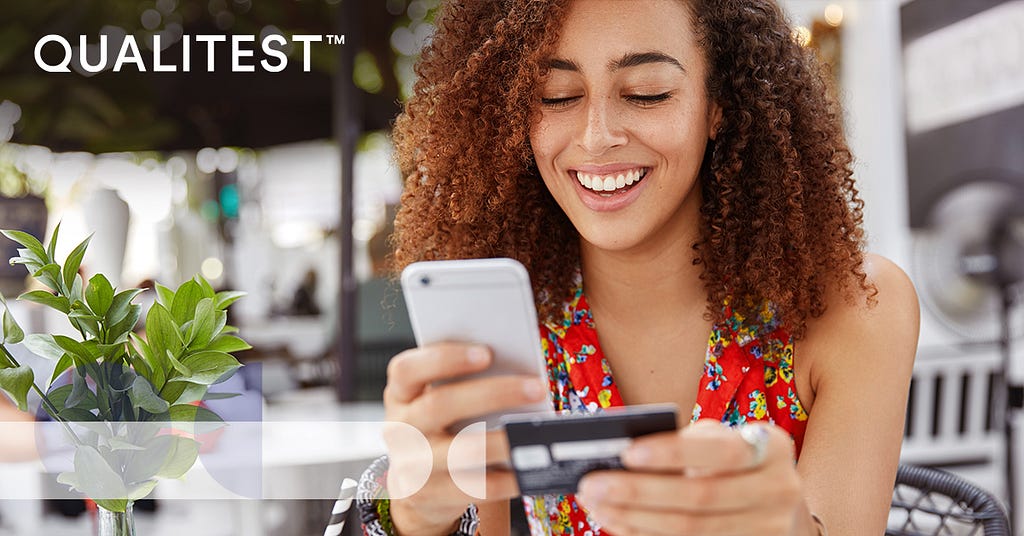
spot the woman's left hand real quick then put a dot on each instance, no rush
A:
(704, 479)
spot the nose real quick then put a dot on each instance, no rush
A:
(603, 129)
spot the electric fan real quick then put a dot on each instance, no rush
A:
(969, 268)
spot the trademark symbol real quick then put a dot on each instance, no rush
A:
(335, 39)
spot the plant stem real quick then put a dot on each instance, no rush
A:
(46, 401)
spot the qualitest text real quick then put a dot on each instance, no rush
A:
(195, 50)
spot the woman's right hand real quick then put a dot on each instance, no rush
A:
(411, 397)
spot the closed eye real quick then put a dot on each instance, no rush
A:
(648, 100)
(558, 102)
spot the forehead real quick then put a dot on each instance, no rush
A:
(611, 27)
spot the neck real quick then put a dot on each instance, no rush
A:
(655, 279)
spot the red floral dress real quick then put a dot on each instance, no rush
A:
(748, 376)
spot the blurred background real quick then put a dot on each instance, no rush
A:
(282, 185)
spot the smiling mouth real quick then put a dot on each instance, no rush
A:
(611, 184)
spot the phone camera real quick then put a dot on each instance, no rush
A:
(425, 281)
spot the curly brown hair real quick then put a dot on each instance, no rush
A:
(780, 217)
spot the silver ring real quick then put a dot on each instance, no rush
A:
(757, 437)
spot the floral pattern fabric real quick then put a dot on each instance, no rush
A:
(748, 376)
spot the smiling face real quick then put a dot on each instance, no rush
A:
(624, 121)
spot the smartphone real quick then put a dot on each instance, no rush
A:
(482, 301)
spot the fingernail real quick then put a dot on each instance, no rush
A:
(534, 390)
(477, 355)
(636, 455)
(593, 489)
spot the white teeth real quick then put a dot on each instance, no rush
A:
(609, 183)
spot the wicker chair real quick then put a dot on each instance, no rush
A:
(930, 501)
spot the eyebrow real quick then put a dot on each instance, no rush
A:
(631, 59)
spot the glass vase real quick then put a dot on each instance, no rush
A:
(116, 523)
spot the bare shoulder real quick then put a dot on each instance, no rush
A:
(862, 331)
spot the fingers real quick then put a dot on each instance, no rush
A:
(622, 519)
(724, 493)
(458, 486)
(410, 372)
(701, 480)
(444, 405)
(708, 447)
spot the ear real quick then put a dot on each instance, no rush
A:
(714, 119)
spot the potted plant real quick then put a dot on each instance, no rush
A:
(125, 388)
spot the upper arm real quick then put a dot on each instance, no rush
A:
(863, 357)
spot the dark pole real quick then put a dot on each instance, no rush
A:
(347, 120)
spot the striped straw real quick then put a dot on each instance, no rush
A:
(341, 507)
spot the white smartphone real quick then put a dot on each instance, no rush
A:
(483, 301)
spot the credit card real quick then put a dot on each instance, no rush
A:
(551, 453)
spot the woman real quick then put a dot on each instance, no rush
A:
(666, 170)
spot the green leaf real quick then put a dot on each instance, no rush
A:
(94, 473)
(162, 334)
(80, 310)
(141, 367)
(208, 291)
(165, 296)
(29, 259)
(158, 374)
(178, 365)
(147, 464)
(26, 240)
(78, 351)
(140, 491)
(65, 362)
(12, 332)
(43, 297)
(228, 344)
(220, 396)
(112, 505)
(59, 395)
(117, 443)
(172, 392)
(227, 297)
(121, 305)
(193, 392)
(74, 261)
(122, 328)
(51, 248)
(49, 275)
(203, 325)
(180, 459)
(207, 367)
(193, 413)
(126, 324)
(220, 321)
(81, 396)
(43, 345)
(185, 300)
(76, 289)
(78, 415)
(99, 294)
(143, 397)
(17, 381)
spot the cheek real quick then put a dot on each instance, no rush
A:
(541, 145)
